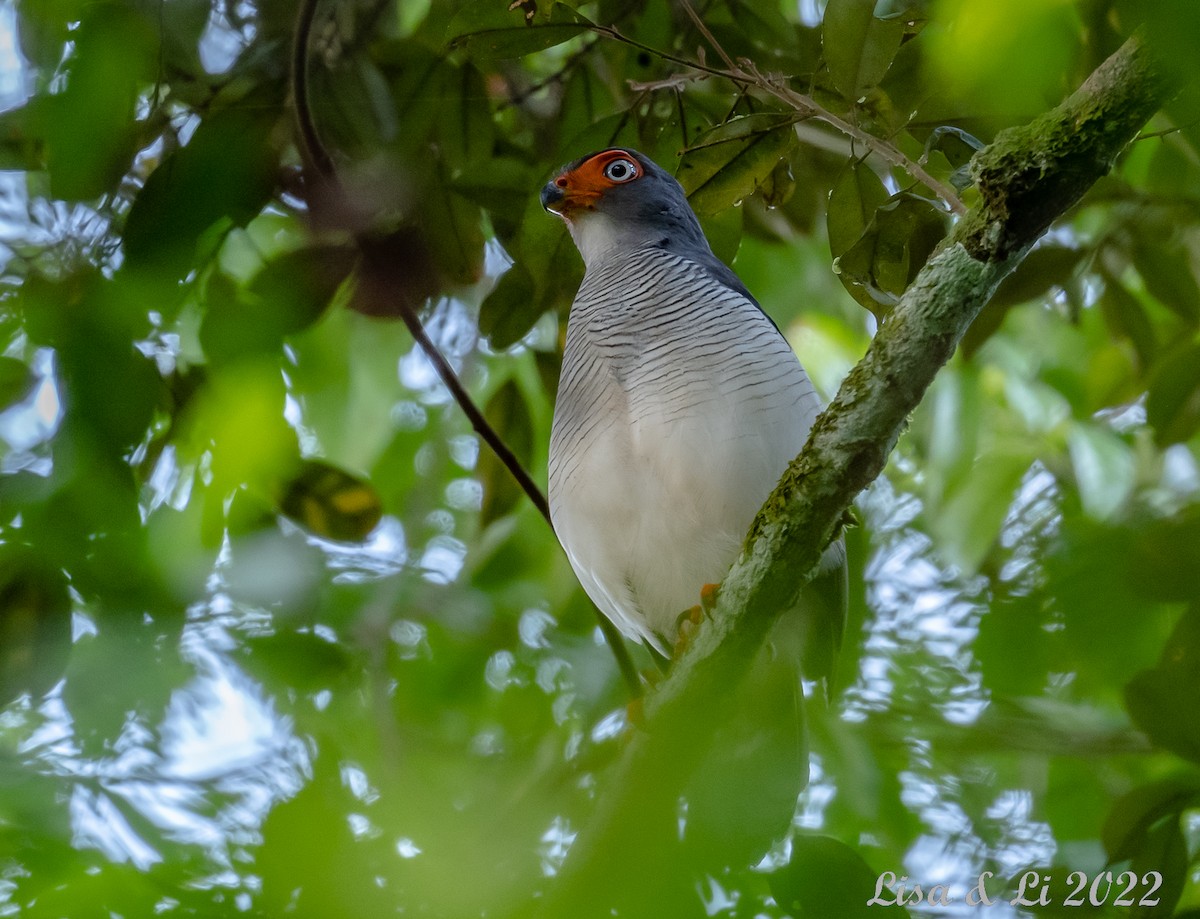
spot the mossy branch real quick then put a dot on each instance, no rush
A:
(1027, 178)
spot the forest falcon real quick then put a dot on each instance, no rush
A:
(679, 407)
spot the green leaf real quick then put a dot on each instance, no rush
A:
(292, 291)
(858, 47)
(1132, 815)
(949, 423)
(1127, 318)
(1016, 621)
(22, 140)
(353, 107)
(853, 200)
(1112, 628)
(779, 186)
(454, 232)
(1156, 698)
(437, 102)
(43, 29)
(969, 522)
(1166, 555)
(618, 130)
(35, 623)
(1165, 851)
(465, 123)
(1045, 269)
(826, 877)
(227, 171)
(764, 30)
(150, 670)
(287, 295)
(503, 189)
(331, 503)
(182, 32)
(227, 333)
(586, 101)
(1104, 468)
(303, 661)
(16, 381)
(295, 858)
(1173, 404)
(724, 232)
(1165, 267)
(252, 520)
(344, 375)
(897, 242)
(489, 30)
(89, 128)
(1173, 27)
(112, 388)
(506, 184)
(728, 163)
(239, 417)
(510, 310)
(418, 76)
(953, 143)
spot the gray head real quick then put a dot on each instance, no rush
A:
(618, 200)
(618, 197)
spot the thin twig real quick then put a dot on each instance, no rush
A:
(558, 76)
(703, 29)
(319, 164)
(745, 74)
(892, 154)
(1165, 131)
(616, 35)
(478, 421)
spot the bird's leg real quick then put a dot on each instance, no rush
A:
(689, 620)
(685, 625)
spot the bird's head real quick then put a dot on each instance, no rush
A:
(620, 198)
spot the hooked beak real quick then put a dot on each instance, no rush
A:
(566, 198)
(553, 197)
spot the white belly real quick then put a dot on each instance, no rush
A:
(653, 492)
(657, 516)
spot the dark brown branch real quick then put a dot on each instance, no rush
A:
(327, 190)
(317, 161)
(1028, 177)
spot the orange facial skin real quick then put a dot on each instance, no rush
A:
(583, 185)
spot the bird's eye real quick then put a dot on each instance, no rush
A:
(620, 171)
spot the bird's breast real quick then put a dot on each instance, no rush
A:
(679, 407)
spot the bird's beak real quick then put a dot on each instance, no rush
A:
(567, 195)
(553, 197)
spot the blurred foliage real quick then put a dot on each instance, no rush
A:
(276, 638)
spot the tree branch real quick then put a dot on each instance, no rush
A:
(319, 166)
(1027, 178)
